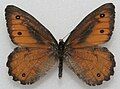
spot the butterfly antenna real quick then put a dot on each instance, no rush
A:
(66, 35)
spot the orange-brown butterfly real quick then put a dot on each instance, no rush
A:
(38, 51)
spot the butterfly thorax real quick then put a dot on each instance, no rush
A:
(60, 53)
(61, 48)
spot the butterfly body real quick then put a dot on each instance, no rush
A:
(38, 51)
(61, 57)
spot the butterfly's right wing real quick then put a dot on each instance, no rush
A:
(91, 64)
(96, 28)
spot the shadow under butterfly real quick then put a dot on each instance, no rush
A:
(38, 51)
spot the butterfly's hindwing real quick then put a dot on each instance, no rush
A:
(27, 65)
(93, 64)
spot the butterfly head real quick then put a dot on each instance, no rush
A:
(61, 44)
(61, 41)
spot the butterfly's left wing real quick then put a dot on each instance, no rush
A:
(27, 65)
(36, 53)
(92, 63)
(26, 31)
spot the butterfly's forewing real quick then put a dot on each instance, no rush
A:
(35, 54)
(95, 29)
(90, 62)
(25, 30)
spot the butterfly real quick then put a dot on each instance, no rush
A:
(38, 51)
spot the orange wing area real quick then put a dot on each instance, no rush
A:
(92, 64)
(95, 29)
(25, 30)
(35, 54)
(28, 64)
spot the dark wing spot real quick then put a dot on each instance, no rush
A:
(19, 33)
(17, 17)
(102, 15)
(102, 31)
(98, 75)
(23, 75)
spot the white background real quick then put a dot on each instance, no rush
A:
(60, 17)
